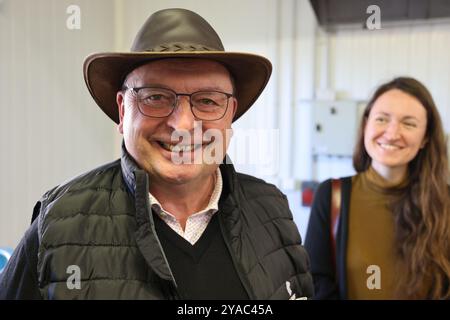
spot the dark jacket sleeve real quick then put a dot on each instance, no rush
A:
(317, 243)
(19, 278)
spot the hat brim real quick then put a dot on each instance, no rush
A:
(105, 72)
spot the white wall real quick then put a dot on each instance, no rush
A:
(363, 59)
(50, 129)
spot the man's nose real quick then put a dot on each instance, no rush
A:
(182, 117)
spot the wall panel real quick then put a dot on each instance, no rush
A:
(50, 127)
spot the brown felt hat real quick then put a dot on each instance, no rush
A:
(174, 33)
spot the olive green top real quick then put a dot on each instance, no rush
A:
(370, 248)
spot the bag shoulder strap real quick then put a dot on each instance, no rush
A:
(335, 214)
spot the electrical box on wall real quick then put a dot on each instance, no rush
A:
(335, 124)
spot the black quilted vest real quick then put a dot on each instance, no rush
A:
(101, 223)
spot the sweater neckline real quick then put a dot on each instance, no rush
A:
(373, 180)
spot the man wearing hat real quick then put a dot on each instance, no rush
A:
(149, 226)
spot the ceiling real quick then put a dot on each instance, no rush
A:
(331, 13)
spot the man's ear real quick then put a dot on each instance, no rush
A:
(234, 107)
(120, 97)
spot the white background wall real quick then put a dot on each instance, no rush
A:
(363, 59)
(52, 130)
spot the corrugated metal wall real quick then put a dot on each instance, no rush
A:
(363, 59)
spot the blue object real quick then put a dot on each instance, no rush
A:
(5, 254)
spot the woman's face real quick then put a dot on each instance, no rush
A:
(395, 130)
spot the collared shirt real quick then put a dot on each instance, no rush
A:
(197, 222)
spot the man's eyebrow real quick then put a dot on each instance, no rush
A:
(214, 89)
(153, 85)
(207, 88)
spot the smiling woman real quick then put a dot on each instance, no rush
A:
(395, 213)
(394, 133)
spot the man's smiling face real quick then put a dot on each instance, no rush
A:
(150, 140)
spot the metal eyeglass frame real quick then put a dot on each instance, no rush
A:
(136, 90)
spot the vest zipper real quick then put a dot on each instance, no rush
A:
(173, 284)
(238, 268)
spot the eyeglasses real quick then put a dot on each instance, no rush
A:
(161, 102)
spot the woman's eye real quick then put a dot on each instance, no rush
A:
(410, 124)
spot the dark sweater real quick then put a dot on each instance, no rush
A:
(204, 270)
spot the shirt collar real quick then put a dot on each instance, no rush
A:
(213, 204)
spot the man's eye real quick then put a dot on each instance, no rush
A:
(155, 97)
(206, 101)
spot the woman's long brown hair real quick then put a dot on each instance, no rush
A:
(422, 209)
